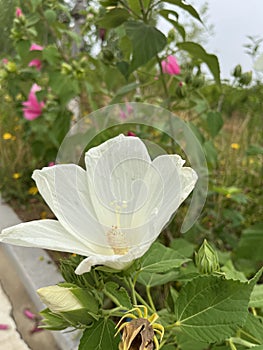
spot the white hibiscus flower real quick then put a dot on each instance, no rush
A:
(112, 212)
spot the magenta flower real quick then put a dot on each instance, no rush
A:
(29, 314)
(3, 327)
(19, 12)
(130, 133)
(36, 47)
(32, 107)
(5, 60)
(170, 66)
(35, 63)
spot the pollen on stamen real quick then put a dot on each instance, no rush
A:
(117, 241)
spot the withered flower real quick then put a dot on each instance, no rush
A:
(139, 334)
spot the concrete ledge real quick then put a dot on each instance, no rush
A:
(36, 270)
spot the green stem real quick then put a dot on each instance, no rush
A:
(166, 91)
(95, 278)
(144, 14)
(130, 285)
(112, 298)
(143, 302)
(240, 342)
(129, 9)
(117, 311)
(149, 296)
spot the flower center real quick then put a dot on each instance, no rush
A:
(116, 238)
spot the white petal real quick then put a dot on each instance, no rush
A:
(65, 189)
(178, 182)
(46, 234)
(115, 172)
(118, 262)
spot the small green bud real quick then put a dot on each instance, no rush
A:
(3, 74)
(188, 78)
(180, 91)
(11, 67)
(171, 35)
(137, 98)
(66, 68)
(246, 78)
(75, 305)
(237, 71)
(198, 81)
(206, 259)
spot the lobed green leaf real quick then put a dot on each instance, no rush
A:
(99, 336)
(210, 308)
(146, 40)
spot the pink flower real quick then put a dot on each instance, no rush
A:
(32, 108)
(35, 63)
(19, 12)
(36, 47)
(29, 314)
(51, 163)
(170, 66)
(5, 60)
(3, 327)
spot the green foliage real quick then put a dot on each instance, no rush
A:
(210, 309)
(160, 259)
(6, 18)
(119, 293)
(99, 336)
(147, 42)
(198, 312)
(198, 52)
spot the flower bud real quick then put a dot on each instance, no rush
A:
(11, 67)
(188, 78)
(3, 74)
(237, 71)
(181, 91)
(102, 34)
(66, 68)
(246, 78)
(198, 81)
(75, 305)
(171, 35)
(19, 12)
(206, 259)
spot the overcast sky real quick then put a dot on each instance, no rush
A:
(233, 21)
